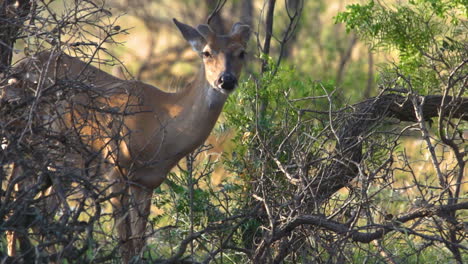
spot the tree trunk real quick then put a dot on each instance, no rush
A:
(12, 17)
(344, 59)
(370, 75)
(246, 16)
(292, 5)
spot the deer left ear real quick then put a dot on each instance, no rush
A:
(241, 31)
(196, 40)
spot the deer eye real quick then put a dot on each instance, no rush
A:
(242, 54)
(206, 54)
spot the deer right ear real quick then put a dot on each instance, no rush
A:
(241, 31)
(196, 40)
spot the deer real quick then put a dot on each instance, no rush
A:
(161, 129)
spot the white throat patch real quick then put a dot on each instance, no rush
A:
(215, 97)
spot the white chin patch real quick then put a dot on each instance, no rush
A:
(221, 90)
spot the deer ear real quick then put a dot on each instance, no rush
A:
(241, 31)
(196, 40)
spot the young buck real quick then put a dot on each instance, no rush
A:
(157, 129)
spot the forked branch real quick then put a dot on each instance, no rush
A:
(381, 230)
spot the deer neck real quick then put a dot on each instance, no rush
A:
(201, 99)
(201, 95)
(200, 106)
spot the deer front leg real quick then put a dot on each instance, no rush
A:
(11, 235)
(139, 213)
(132, 208)
(11, 243)
(122, 221)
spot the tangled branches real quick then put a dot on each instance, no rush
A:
(334, 195)
(64, 223)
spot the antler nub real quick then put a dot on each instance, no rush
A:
(206, 31)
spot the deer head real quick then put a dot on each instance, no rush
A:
(223, 55)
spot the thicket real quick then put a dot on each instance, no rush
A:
(310, 178)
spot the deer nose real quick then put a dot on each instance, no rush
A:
(227, 81)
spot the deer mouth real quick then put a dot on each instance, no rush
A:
(225, 90)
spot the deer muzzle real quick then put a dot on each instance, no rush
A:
(226, 81)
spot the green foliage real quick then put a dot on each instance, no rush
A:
(409, 28)
(274, 88)
(265, 110)
(179, 199)
(427, 34)
(191, 203)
